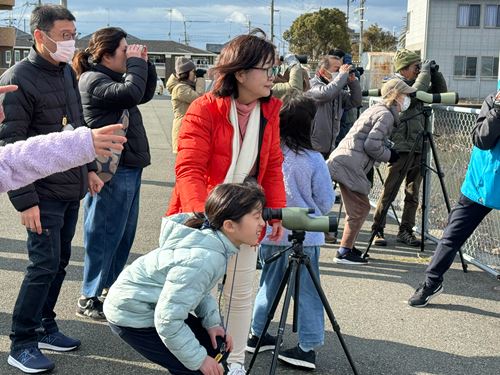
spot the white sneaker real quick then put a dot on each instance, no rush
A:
(236, 369)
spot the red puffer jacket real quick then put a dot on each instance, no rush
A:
(204, 156)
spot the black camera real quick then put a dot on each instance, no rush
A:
(222, 353)
(357, 70)
(200, 72)
(434, 67)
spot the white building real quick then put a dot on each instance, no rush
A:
(463, 36)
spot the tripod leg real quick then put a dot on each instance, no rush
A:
(329, 312)
(440, 174)
(392, 206)
(284, 281)
(296, 300)
(294, 266)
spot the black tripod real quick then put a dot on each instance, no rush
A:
(291, 279)
(427, 141)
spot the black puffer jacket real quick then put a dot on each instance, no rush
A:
(38, 107)
(106, 93)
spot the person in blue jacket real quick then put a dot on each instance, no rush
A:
(151, 304)
(480, 194)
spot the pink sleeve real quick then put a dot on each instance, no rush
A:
(24, 162)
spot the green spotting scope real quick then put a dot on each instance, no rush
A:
(449, 98)
(297, 218)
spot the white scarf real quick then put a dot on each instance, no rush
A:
(243, 155)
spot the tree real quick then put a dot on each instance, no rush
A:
(377, 40)
(314, 34)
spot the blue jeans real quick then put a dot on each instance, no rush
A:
(110, 221)
(311, 322)
(49, 255)
(463, 220)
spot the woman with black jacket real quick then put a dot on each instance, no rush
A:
(113, 77)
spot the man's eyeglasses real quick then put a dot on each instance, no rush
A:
(66, 35)
(272, 71)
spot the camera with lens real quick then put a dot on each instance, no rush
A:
(357, 70)
(200, 72)
(434, 67)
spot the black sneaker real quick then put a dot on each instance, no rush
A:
(90, 308)
(30, 360)
(379, 239)
(268, 343)
(298, 358)
(424, 294)
(357, 252)
(408, 238)
(349, 258)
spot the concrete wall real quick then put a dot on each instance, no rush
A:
(443, 40)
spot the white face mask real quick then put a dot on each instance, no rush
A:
(406, 103)
(64, 50)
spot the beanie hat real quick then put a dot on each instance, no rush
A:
(403, 58)
(183, 65)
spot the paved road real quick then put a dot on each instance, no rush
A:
(458, 335)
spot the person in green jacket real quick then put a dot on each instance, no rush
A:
(151, 305)
(420, 76)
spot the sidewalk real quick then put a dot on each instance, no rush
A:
(458, 334)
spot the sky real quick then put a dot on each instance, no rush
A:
(211, 21)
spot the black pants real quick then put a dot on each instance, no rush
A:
(462, 221)
(49, 255)
(148, 343)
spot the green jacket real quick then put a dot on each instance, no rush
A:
(295, 83)
(161, 288)
(412, 120)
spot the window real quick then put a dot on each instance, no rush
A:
(492, 16)
(489, 66)
(17, 56)
(468, 15)
(8, 57)
(465, 66)
(25, 54)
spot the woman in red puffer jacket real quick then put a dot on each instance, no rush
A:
(231, 134)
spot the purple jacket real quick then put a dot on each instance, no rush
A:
(24, 162)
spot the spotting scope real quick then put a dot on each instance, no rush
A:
(297, 218)
(443, 98)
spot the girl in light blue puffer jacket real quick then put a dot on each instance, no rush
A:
(151, 304)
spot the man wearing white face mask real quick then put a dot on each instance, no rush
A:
(420, 76)
(331, 101)
(47, 101)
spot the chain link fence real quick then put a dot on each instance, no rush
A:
(452, 127)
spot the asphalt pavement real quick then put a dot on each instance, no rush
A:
(458, 334)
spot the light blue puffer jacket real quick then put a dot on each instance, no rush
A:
(160, 288)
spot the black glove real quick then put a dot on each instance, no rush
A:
(394, 156)
(200, 72)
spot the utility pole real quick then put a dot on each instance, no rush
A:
(347, 13)
(64, 3)
(361, 22)
(249, 23)
(170, 27)
(272, 21)
(185, 33)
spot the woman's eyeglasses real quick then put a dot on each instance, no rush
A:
(272, 71)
